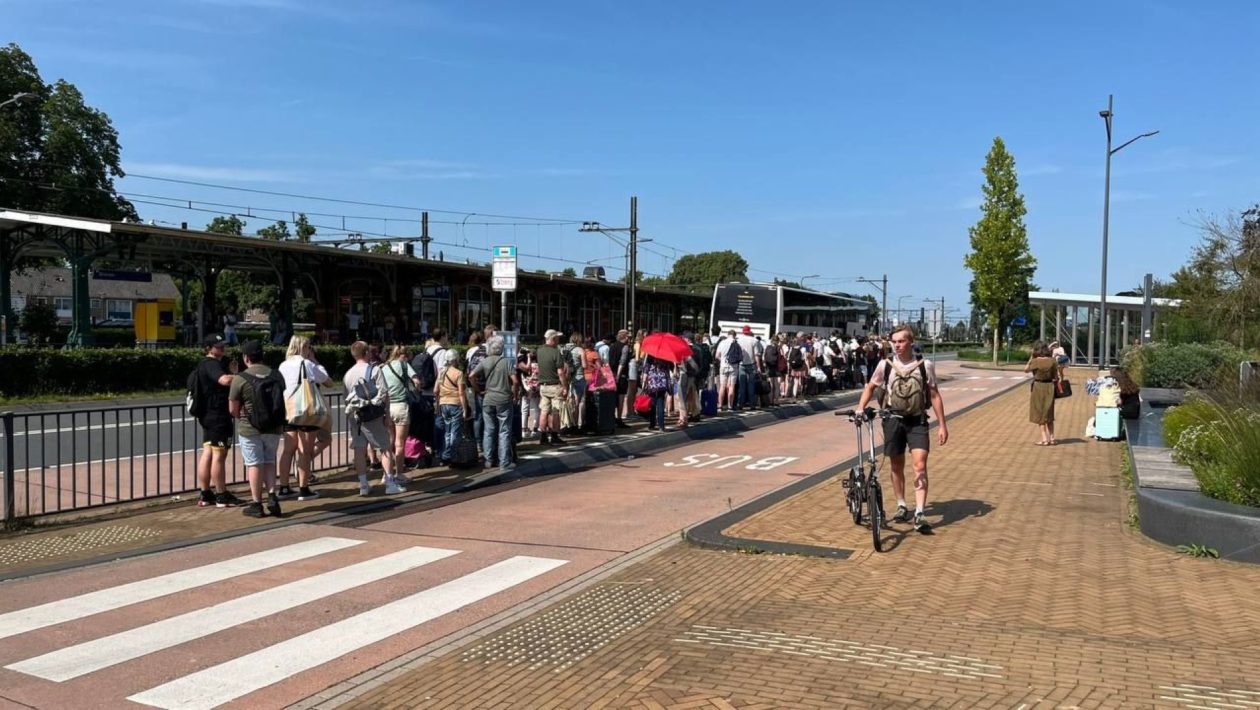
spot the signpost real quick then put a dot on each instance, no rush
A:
(503, 276)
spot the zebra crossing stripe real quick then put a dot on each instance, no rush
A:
(240, 676)
(37, 617)
(84, 658)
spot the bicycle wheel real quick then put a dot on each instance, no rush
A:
(875, 503)
(853, 497)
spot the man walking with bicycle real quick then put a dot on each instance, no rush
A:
(909, 388)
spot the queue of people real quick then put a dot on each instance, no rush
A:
(472, 406)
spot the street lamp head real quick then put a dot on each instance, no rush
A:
(1104, 113)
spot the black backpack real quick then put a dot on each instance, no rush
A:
(266, 401)
(771, 357)
(734, 354)
(796, 357)
(196, 401)
(426, 369)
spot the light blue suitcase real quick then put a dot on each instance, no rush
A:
(1107, 423)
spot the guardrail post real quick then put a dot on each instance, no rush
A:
(8, 467)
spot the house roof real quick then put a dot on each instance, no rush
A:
(53, 282)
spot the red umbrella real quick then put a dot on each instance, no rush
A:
(666, 346)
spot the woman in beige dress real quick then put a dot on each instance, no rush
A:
(1045, 372)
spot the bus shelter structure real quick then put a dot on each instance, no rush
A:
(411, 292)
(1074, 320)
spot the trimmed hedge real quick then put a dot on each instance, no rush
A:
(28, 372)
(1185, 366)
(987, 355)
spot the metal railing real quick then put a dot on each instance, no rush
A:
(58, 461)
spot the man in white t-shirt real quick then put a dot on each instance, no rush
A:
(910, 386)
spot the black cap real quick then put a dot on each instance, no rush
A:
(252, 349)
(212, 340)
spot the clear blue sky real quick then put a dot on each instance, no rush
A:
(829, 138)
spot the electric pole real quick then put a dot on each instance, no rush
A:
(424, 235)
(633, 276)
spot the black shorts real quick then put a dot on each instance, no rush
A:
(623, 385)
(300, 427)
(217, 433)
(900, 434)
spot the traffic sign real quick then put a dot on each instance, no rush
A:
(503, 268)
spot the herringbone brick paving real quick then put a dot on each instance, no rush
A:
(1033, 594)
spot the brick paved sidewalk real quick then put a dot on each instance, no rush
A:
(1033, 593)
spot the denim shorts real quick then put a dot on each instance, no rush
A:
(259, 450)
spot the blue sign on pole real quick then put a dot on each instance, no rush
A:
(1020, 320)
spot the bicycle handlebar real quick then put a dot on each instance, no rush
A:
(870, 413)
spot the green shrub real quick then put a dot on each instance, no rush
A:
(1218, 437)
(1186, 366)
(1196, 410)
(43, 371)
(39, 322)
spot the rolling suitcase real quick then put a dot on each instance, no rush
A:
(1107, 423)
(605, 411)
(708, 402)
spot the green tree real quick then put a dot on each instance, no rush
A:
(303, 229)
(378, 248)
(569, 271)
(57, 154)
(789, 284)
(1001, 265)
(226, 225)
(237, 291)
(700, 272)
(39, 322)
(1219, 287)
(277, 232)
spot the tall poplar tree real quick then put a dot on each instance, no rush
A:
(1001, 266)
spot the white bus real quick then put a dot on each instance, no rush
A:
(769, 309)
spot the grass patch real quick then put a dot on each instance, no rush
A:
(1126, 474)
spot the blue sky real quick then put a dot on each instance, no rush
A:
(832, 138)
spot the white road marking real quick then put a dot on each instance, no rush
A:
(37, 617)
(84, 658)
(230, 680)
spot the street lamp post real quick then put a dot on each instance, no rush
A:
(811, 276)
(16, 98)
(1104, 354)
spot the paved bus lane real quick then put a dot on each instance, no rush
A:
(320, 604)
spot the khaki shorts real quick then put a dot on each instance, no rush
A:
(551, 397)
(400, 412)
(365, 434)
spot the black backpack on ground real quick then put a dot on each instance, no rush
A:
(266, 400)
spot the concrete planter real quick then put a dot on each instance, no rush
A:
(1175, 516)
(1161, 397)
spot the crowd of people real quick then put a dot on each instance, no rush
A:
(470, 406)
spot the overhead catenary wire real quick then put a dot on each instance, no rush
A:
(249, 212)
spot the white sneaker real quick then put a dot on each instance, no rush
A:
(365, 488)
(392, 488)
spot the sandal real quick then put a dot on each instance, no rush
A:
(1043, 443)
